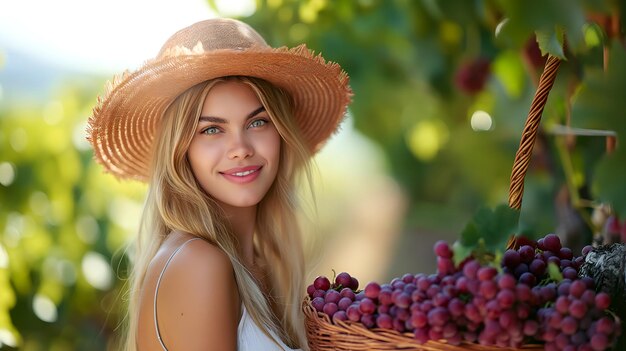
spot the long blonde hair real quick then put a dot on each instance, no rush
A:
(176, 202)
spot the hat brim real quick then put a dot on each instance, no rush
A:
(125, 119)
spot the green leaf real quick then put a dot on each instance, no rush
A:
(529, 16)
(489, 228)
(551, 42)
(461, 252)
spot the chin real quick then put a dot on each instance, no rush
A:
(242, 202)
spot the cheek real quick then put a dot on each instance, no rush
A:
(271, 146)
(201, 155)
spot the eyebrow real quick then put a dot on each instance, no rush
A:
(223, 121)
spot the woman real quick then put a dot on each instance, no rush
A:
(219, 124)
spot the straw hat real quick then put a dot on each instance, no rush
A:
(127, 115)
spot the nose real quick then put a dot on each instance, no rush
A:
(240, 147)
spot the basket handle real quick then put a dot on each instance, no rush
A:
(525, 150)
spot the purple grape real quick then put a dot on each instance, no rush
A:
(310, 290)
(577, 288)
(488, 289)
(384, 297)
(506, 281)
(530, 327)
(332, 296)
(540, 244)
(344, 303)
(569, 325)
(486, 273)
(526, 253)
(577, 309)
(403, 300)
(603, 301)
(445, 266)
(330, 308)
(408, 278)
(403, 314)
(566, 253)
(321, 283)
(551, 242)
(347, 292)
(442, 249)
(505, 298)
(562, 304)
(537, 267)
(548, 292)
(599, 342)
(528, 279)
(438, 316)
(340, 316)
(570, 273)
(563, 287)
(318, 304)
(319, 293)
(368, 320)
(456, 307)
(605, 325)
(511, 258)
(354, 284)
(589, 297)
(343, 279)
(384, 321)
(520, 269)
(470, 269)
(353, 313)
(367, 306)
(372, 290)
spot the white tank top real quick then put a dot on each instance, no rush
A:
(249, 336)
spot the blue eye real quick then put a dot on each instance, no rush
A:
(258, 123)
(211, 130)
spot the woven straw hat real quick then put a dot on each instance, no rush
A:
(127, 115)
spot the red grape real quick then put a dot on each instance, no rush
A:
(321, 283)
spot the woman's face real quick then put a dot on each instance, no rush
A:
(234, 153)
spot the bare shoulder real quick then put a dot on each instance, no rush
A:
(198, 301)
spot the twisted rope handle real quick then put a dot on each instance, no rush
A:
(525, 150)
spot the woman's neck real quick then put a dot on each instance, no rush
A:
(243, 223)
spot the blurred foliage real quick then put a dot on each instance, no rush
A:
(443, 87)
(63, 224)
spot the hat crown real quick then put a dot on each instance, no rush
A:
(214, 34)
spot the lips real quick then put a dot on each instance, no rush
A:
(242, 174)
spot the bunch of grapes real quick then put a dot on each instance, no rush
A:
(577, 319)
(334, 299)
(529, 264)
(524, 299)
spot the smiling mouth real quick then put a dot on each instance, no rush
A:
(243, 174)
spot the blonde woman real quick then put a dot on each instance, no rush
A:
(219, 124)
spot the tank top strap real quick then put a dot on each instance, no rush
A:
(156, 290)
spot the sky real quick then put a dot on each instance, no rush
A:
(103, 36)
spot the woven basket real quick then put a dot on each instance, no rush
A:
(323, 334)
